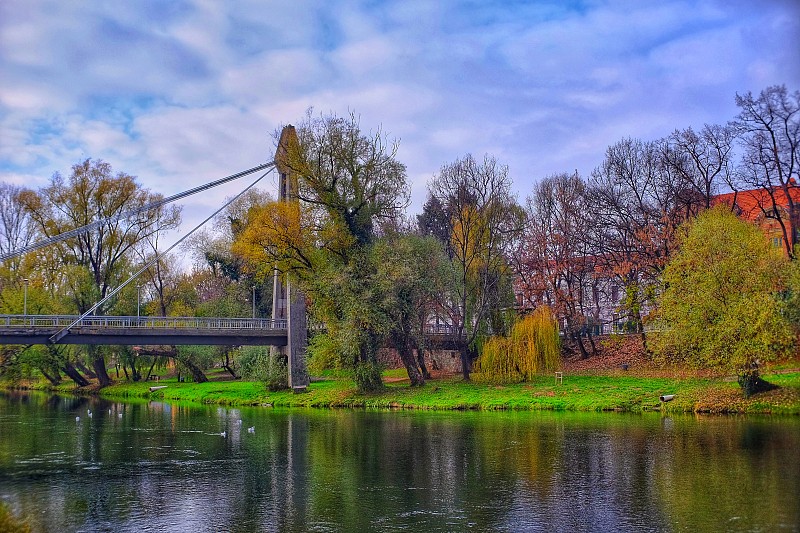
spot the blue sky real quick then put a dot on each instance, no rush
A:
(179, 93)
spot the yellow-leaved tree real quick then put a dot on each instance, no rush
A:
(533, 346)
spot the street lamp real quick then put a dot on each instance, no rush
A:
(254, 301)
(25, 297)
(138, 298)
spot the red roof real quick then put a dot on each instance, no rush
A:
(753, 203)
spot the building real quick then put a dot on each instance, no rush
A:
(770, 210)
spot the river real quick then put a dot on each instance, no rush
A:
(152, 466)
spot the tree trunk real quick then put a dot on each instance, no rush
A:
(150, 371)
(421, 363)
(226, 363)
(137, 376)
(751, 383)
(99, 366)
(403, 346)
(197, 374)
(465, 362)
(591, 341)
(89, 374)
(54, 379)
(74, 375)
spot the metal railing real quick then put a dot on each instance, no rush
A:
(142, 322)
(440, 329)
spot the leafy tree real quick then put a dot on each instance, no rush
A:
(484, 219)
(411, 273)
(720, 307)
(96, 260)
(532, 346)
(347, 182)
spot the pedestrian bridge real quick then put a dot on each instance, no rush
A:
(156, 330)
(39, 329)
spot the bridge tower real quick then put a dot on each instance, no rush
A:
(288, 302)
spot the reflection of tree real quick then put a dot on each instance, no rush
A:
(165, 464)
(730, 474)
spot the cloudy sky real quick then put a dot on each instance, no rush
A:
(180, 93)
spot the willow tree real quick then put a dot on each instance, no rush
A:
(533, 346)
(96, 261)
(348, 181)
(722, 305)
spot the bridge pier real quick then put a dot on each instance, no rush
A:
(288, 302)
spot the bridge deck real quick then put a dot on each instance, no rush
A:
(151, 330)
(19, 329)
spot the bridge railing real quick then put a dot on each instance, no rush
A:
(142, 322)
(440, 329)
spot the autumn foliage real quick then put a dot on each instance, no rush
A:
(533, 346)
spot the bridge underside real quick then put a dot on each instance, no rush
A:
(142, 336)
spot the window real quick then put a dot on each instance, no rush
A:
(777, 242)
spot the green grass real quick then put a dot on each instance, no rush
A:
(577, 393)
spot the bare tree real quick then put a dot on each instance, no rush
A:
(703, 160)
(637, 204)
(768, 128)
(17, 228)
(554, 260)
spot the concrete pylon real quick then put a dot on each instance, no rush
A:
(288, 302)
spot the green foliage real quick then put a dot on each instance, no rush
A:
(533, 346)
(259, 363)
(720, 306)
(367, 376)
(323, 353)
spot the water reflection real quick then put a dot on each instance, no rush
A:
(167, 467)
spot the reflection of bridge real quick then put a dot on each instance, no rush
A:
(153, 330)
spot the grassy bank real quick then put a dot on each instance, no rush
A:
(577, 393)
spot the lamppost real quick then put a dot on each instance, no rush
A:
(25, 297)
(138, 298)
(254, 301)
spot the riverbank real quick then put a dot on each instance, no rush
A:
(576, 393)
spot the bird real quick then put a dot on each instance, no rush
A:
(239, 421)
(224, 434)
(120, 415)
(77, 419)
(251, 429)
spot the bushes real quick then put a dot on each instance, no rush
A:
(533, 346)
(258, 363)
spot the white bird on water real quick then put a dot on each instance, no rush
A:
(77, 419)
(224, 434)
(251, 429)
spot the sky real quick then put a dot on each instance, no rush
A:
(182, 92)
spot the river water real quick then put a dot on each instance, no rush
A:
(152, 466)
